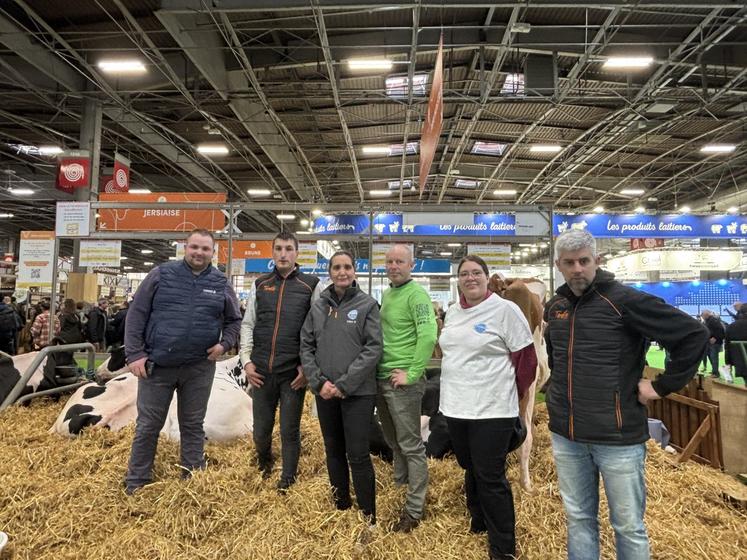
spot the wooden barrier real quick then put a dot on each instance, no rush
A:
(693, 420)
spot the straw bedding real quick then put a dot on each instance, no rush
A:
(64, 499)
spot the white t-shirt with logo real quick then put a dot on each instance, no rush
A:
(478, 380)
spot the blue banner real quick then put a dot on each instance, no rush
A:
(422, 266)
(391, 224)
(662, 225)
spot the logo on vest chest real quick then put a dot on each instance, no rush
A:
(561, 314)
(268, 288)
(209, 291)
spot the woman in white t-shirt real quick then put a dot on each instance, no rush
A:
(486, 343)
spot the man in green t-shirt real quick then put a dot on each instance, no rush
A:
(409, 330)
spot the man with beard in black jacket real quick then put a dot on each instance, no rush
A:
(596, 339)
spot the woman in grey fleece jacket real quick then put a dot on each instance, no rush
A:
(340, 347)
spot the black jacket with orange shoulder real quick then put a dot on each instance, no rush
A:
(597, 344)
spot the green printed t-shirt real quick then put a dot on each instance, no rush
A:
(408, 324)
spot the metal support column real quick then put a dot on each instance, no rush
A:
(53, 299)
(370, 251)
(229, 258)
(90, 139)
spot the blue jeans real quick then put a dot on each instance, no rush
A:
(622, 468)
(711, 355)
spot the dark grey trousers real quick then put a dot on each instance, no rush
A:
(192, 384)
(265, 400)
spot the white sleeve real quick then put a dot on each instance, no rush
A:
(247, 326)
(318, 289)
(516, 333)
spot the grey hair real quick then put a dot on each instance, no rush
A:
(575, 240)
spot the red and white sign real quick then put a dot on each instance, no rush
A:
(106, 184)
(121, 181)
(646, 243)
(73, 171)
(434, 118)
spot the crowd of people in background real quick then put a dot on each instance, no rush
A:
(26, 328)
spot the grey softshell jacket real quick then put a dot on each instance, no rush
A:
(341, 342)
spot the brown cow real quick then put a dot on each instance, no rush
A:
(529, 295)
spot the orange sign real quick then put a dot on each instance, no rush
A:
(245, 250)
(37, 235)
(434, 118)
(161, 219)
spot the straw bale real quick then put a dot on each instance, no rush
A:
(64, 499)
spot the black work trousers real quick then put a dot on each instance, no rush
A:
(481, 447)
(345, 427)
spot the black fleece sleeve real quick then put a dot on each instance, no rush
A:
(682, 336)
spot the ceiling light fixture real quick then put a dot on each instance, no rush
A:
(146, 251)
(639, 209)
(370, 64)
(259, 192)
(445, 253)
(684, 209)
(453, 244)
(718, 148)
(545, 148)
(316, 212)
(139, 191)
(131, 66)
(304, 222)
(6, 215)
(380, 192)
(375, 150)
(285, 217)
(302, 232)
(49, 150)
(213, 149)
(632, 191)
(598, 209)
(504, 192)
(127, 267)
(21, 192)
(628, 61)
(147, 263)
(730, 210)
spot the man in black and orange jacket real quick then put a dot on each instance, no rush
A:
(270, 352)
(596, 337)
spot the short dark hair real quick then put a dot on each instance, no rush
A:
(202, 231)
(286, 236)
(44, 304)
(340, 253)
(474, 259)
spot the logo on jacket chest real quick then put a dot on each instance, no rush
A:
(560, 311)
(268, 288)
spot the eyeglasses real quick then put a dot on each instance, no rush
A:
(474, 273)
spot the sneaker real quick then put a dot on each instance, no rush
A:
(284, 484)
(406, 523)
(366, 537)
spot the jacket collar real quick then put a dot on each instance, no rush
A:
(402, 285)
(189, 269)
(601, 278)
(330, 294)
(291, 274)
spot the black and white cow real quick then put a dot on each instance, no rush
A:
(113, 405)
(55, 370)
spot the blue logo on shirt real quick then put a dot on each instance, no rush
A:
(352, 315)
(480, 328)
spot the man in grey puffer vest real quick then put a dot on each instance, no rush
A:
(185, 315)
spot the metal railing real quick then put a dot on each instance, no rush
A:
(13, 396)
